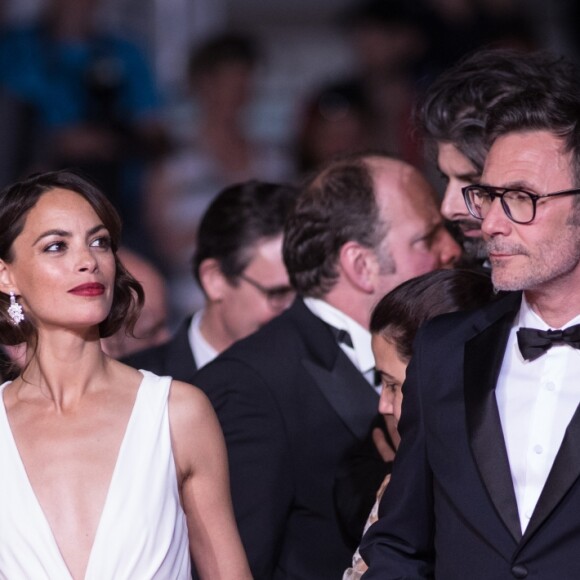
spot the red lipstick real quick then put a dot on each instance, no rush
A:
(91, 289)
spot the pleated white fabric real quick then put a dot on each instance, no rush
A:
(142, 533)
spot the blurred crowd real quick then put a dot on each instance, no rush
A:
(73, 95)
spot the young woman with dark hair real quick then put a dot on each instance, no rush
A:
(395, 321)
(107, 472)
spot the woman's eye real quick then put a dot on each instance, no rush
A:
(102, 242)
(55, 247)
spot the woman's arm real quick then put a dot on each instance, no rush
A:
(201, 461)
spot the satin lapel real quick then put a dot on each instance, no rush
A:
(347, 392)
(564, 473)
(483, 358)
(342, 385)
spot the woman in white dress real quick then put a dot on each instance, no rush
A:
(107, 472)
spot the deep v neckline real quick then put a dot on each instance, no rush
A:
(41, 518)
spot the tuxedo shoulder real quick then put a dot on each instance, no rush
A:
(283, 334)
(272, 356)
(463, 323)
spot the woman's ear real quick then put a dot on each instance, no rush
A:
(359, 265)
(6, 281)
(212, 280)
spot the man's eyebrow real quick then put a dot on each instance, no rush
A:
(512, 185)
(472, 177)
(429, 232)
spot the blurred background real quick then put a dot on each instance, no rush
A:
(303, 42)
(165, 102)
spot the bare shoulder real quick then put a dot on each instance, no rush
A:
(190, 412)
(187, 402)
(195, 430)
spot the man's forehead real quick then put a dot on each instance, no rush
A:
(527, 156)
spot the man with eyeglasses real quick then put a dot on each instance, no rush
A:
(298, 397)
(486, 482)
(452, 119)
(238, 264)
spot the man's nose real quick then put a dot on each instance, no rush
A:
(449, 250)
(453, 205)
(496, 221)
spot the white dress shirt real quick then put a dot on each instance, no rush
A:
(360, 353)
(536, 401)
(203, 352)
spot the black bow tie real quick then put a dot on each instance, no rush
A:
(534, 343)
(342, 336)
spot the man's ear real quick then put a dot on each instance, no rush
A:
(212, 279)
(6, 282)
(359, 265)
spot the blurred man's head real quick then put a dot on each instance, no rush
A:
(453, 119)
(151, 328)
(238, 260)
(360, 227)
(221, 71)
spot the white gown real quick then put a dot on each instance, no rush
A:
(142, 533)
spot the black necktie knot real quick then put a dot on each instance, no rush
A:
(534, 343)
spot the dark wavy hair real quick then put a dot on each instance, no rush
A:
(15, 203)
(336, 206)
(458, 104)
(401, 312)
(555, 109)
(240, 216)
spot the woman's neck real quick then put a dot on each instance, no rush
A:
(64, 367)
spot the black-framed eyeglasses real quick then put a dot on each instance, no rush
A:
(278, 297)
(519, 205)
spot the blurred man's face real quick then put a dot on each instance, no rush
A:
(392, 369)
(261, 293)
(152, 326)
(417, 240)
(459, 172)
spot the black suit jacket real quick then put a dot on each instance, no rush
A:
(450, 508)
(292, 407)
(173, 358)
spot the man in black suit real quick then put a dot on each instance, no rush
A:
(486, 481)
(238, 264)
(297, 397)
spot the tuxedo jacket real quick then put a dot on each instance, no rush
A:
(292, 407)
(173, 358)
(450, 511)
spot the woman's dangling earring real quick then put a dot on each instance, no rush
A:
(15, 310)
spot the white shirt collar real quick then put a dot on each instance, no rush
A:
(528, 318)
(203, 352)
(361, 338)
